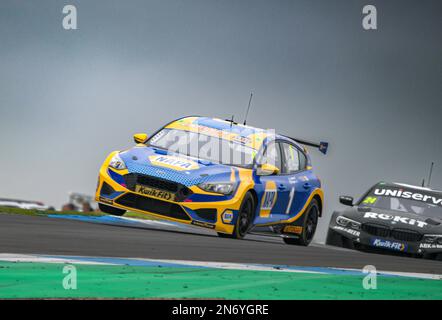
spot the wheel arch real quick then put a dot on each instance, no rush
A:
(319, 201)
(255, 198)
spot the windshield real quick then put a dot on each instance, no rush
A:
(204, 147)
(421, 202)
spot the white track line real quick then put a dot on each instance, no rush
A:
(206, 264)
(35, 258)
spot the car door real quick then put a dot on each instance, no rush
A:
(273, 189)
(297, 179)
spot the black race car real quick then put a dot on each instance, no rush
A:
(391, 218)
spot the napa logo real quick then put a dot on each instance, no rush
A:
(172, 162)
(386, 244)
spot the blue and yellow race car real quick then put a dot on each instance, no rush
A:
(216, 174)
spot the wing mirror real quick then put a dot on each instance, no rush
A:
(140, 137)
(346, 200)
(267, 169)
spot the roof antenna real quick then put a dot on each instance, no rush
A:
(231, 122)
(248, 107)
(429, 176)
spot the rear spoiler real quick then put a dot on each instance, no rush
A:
(322, 146)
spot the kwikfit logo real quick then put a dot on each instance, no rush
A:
(408, 195)
(388, 244)
(404, 220)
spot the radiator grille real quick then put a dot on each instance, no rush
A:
(160, 207)
(398, 234)
(181, 192)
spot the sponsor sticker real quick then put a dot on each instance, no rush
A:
(106, 200)
(154, 193)
(156, 137)
(417, 196)
(241, 139)
(304, 178)
(227, 216)
(293, 229)
(430, 246)
(269, 200)
(395, 219)
(348, 230)
(203, 224)
(172, 162)
(370, 200)
(209, 130)
(387, 244)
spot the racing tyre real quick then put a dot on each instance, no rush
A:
(111, 210)
(245, 216)
(308, 227)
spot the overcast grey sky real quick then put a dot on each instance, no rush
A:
(68, 98)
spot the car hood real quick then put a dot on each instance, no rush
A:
(394, 219)
(175, 167)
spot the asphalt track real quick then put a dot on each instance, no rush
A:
(43, 235)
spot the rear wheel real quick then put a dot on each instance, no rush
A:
(111, 210)
(245, 216)
(309, 226)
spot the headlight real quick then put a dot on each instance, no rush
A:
(117, 163)
(223, 188)
(346, 222)
(432, 238)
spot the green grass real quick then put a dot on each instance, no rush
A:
(32, 212)
(44, 280)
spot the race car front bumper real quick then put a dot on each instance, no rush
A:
(189, 205)
(358, 238)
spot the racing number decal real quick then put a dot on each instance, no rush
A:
(370, 200)
(291, 196)
(268, 199)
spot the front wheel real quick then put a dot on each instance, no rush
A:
(111, 210)
(244, 220)
(309, 226)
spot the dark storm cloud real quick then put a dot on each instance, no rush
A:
(67, 98)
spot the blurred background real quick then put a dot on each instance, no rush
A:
(69, 97)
